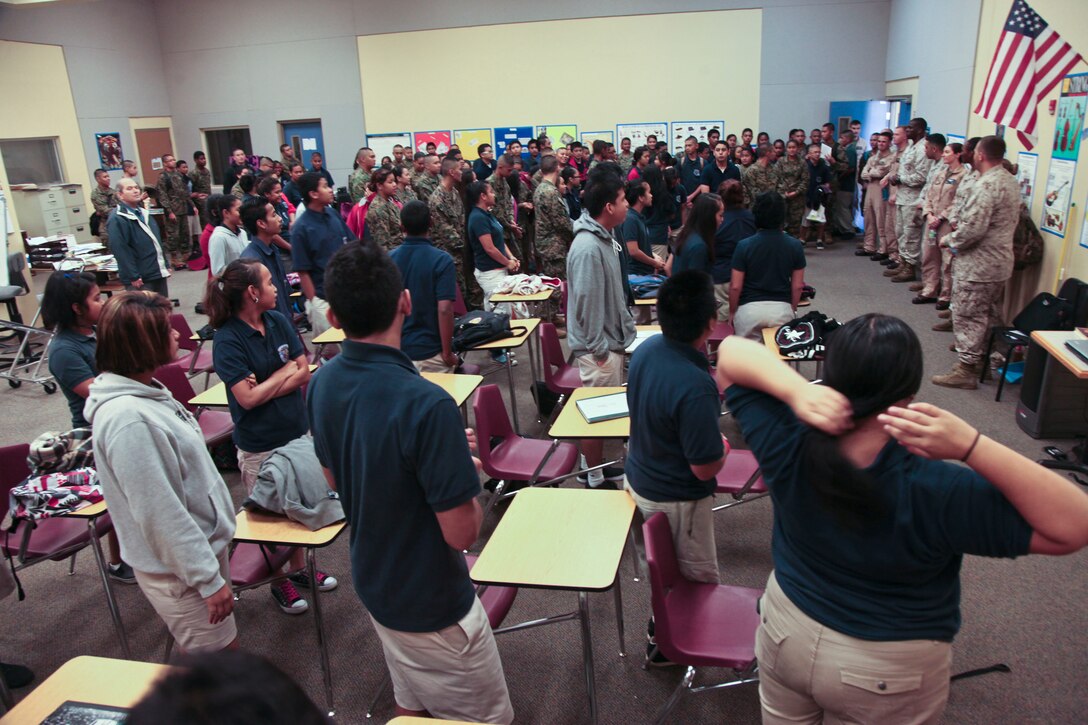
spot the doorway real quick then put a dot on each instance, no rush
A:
(219, 143)
(305, 138)
(151, 145)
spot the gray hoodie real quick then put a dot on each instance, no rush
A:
(598, 321)
(169, 505)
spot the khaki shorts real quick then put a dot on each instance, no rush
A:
(432, 365)
(692, 526)
(184, 612)
(317, 310)
(609, 375)
(249, 464)
(454, 673)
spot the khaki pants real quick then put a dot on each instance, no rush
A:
(931, 262)
(608, 375)
(317, 310)
(454, 673)
(946, 275)
(692, 527)
(889, 240)
(184, 612)
(908, 229)
(809, 673)
(874, 210)
(432, 365)
(750, 319)
(976, 306)
(721, 296)
(489, 281)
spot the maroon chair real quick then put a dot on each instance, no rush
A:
(740, 478)
(216, 425)
(53, 539)
(196, 359)
(560, 376)
(698, 624)
(507, 456)
(721, 331)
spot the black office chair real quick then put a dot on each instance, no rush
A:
(1045, 312)
(17, 286)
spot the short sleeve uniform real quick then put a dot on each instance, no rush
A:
(431, 277)
(314, 239)
(71, 361)
(768, 260)
(634, 230)
(693, 255)
(481, 223)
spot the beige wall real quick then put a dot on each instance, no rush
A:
(496, 87)
(37, 103)
(1064, 257)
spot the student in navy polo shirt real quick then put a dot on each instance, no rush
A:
(262, 222)
(431, 279)
(721, 169)
(484, 166)
(394, 448)
(259, 357)
(694, 245)
(691, 169)
(676, 450)
(316, 236)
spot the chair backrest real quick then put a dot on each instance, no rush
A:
(178, 384)
(491, 420)
(185, 333)
(13, 470)
(664, 571)
(551, 350)
(16, 265)
(1076, 293)
(459, 307)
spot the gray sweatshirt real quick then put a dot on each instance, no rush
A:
(598, 321)
(169, 505)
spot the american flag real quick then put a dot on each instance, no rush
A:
(1029, 61)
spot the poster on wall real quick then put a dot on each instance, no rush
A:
(699, 129)
(1059, 191)
(638, 132)
(560, 134)
(1084, 229)
(521, 134)
(1071, 109)
(468, 139)
(109, 150)
(1026, 165)
(382, 143)
(588, 137)
(955, 138)
(441, 140)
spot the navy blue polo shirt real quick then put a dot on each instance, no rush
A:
(713, 176)
(71, 361)
(482, 222)
(691, 172)
(898, 577)
(679, 198)
(293, 195)
(315, 238)
(395, 444)
(634, 230)
(430, 276)
(768, 259)
(269, 256)
(694, 255)
(240, 351)
(483, 170)
(737, 224)
(674, 408)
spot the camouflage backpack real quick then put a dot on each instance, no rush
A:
(1027, 242)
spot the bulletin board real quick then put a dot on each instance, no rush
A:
(506, 134)
(638, 132)
(588, 137)
(382, 143)
(468, 139)
(699, 129)
(560, 134)
(441, 140)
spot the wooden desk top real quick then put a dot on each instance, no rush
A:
(331, 336)
(1053, 341)
(647, 328)
(535, 297)
(458, 386)
(769, 343)
(97, 680)
(406, 720)
(558, 538)
(571, 424)
(257, 528)
(92, 511)
(646, 301)
(530, 326)
(216, 395)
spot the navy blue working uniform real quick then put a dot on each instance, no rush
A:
(71, 361)
(768, 259)
(695, 254)
(431, 277)
(634, 230)
(267, 255)
(481, 223)
(314, 239)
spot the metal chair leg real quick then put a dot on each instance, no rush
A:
(684, 686)
(72, 565)
(111, 603)
(1004, 370)
(989, 349)
(386, 682)
(6, 697)
(169, 649)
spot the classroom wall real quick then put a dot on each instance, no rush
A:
(933, 41)
(1063, 257)
(111, 53)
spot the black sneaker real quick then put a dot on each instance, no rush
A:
(611, 473)
(122, 573)
(325, 582)
(288, 598)
(654, 658)
(819, 245)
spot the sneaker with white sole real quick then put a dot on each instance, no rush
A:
(288, 598)
(122, 573)
(611, 473)
(325, 582)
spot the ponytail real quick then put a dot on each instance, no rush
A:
(225, 294)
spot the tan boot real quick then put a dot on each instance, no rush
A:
(916, 287)
(943, 326)
(962, 376)
(906, 274)
(893, 271)
(944, 314)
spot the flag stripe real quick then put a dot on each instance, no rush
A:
(1013, 93)
(1012, 47)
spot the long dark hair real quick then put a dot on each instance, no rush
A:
(663, 201)
(702, 221)
(63, 290)
(875, 361)
(224, 295)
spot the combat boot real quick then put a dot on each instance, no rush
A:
(962, 376)
(943, 326)
(906, 273)
(893, 269)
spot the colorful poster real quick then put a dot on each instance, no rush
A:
(1026, 165)
(441, 140)
(1084, 229)
(521, 134)
(1059, 191)
(638, 132)
(1070, 117)
(699, 129)
(588, 137)
(109, 150)
(468, 139)
(382, 143)
(560, 134)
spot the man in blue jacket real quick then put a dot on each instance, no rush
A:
(134, 241)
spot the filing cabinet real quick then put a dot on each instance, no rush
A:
(59, 209)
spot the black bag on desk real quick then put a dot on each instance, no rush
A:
(1045, 312)
(478, 327)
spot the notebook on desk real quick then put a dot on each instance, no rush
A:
(1079, 348)
(604, 407)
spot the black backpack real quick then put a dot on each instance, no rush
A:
(478, 327)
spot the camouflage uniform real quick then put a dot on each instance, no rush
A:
(913, 170)
(554, 230)
(103, 201)
(174, 198)
(357, 183)
(876, 168)
(406, 195)
(448, 229)
(626, 161)
(383, 222)
(236, 190)
(425, 185)
(793, 176)
(504, 207)
(982, 248)
(202, 184)
(759, 179)
(525, 218)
